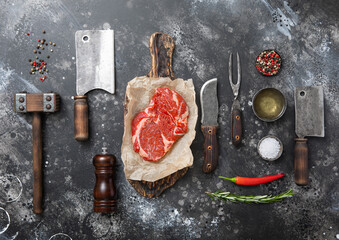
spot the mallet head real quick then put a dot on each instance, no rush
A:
(36, 102)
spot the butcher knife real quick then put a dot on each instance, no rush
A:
(309, 121)
(209, 124)
(94, 69)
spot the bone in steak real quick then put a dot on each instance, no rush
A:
(155, 130)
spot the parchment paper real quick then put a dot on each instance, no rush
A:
(139, 93)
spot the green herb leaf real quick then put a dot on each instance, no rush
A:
(227, 196)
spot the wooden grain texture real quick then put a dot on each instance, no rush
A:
(37, 163)
(154, 189)
(161, 47)
(210, 147)
(81, 131)
(35, 102)
(301, 161)
(236, 127)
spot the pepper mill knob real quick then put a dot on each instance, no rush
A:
(104, 191)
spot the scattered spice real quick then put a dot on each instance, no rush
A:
(39, 66)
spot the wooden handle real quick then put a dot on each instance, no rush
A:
(301, 161)
(161, 47)
(37, 163)
(210, 148)
(236, 127)
(80, 118)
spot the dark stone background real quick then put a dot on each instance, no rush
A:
(205, 32)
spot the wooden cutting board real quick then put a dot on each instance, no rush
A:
(161, 47)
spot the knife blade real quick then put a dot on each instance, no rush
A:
(94, 70)
(309, 121)
(209, 124)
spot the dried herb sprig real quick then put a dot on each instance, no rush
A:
(227, 196)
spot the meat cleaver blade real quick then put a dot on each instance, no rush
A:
(309, 122)
(94, 70)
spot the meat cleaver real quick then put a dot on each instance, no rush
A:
(309, 121)
(94, 69)
(209, 124)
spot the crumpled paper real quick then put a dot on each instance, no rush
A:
(139, 93)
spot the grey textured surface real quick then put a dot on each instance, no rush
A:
(205, 32)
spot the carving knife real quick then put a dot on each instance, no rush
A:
(309, 121)
(94, 70)
(209, 124)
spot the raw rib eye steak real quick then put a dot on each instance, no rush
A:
(155, 130)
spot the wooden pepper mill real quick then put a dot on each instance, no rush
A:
(104, 190)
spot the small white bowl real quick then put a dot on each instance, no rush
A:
(280, 151)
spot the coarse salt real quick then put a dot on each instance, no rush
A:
(269, 148)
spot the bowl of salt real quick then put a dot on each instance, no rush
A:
(270, 148)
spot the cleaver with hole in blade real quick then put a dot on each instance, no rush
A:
(94, 70)
(309, 122)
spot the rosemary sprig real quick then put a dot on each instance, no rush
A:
(227, 196)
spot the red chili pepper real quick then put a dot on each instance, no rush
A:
(253, 181)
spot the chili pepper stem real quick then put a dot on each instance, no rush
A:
(229, 179)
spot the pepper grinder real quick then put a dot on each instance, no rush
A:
(104, 191)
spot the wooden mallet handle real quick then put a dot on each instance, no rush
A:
(80, 118)
(301, 161)
(37, 163)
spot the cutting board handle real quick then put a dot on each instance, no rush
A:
(80, 118)
(161, 46)
(301, 161)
